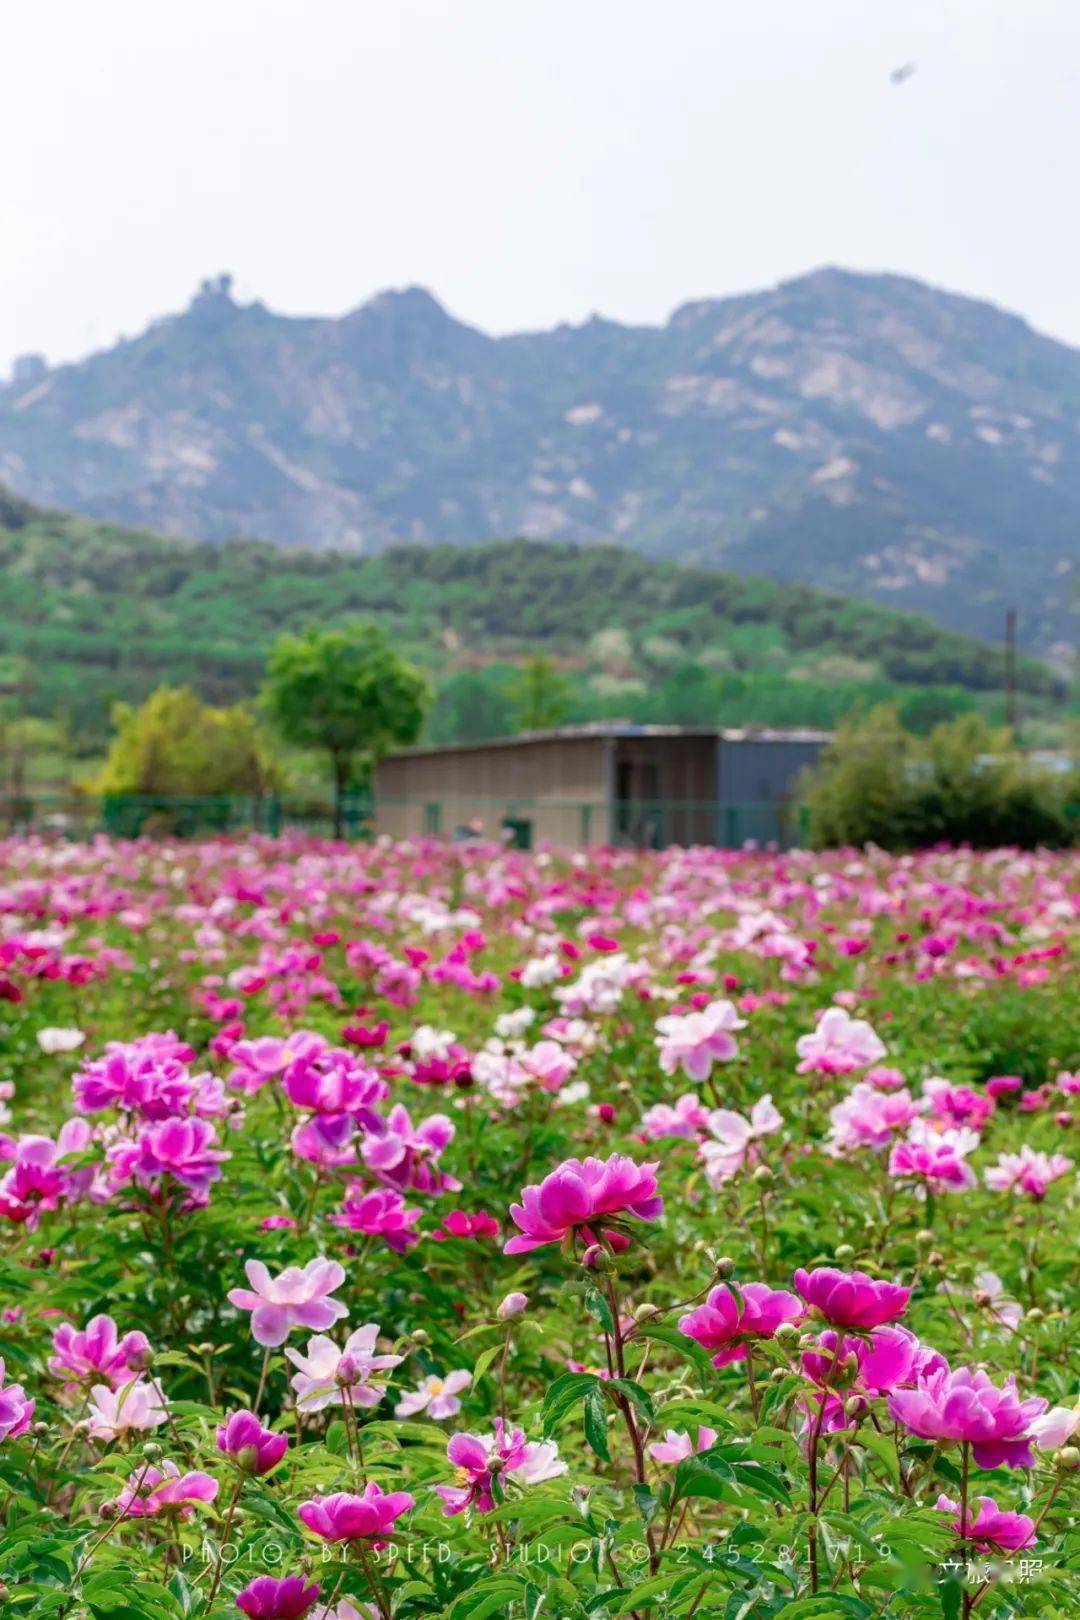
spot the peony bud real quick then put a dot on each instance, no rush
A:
(645, 1311)
(724, 1266)
(420, 1336)
(513, 1305)
(763, 1175)
(1067, 1457)
(844, 1253)
(152, 1452)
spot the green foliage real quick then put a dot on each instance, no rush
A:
(346, 692)
(540, 694)
(175, 744)
(964, 783)
(100, 614)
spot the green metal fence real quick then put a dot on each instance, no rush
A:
(138, 815)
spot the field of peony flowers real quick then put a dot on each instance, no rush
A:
(425, 1230)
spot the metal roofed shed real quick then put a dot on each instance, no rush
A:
(601, 784)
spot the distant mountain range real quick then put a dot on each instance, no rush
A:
(862, 433)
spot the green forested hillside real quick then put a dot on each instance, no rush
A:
(90, 612)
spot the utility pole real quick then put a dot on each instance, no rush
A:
(1010, 669)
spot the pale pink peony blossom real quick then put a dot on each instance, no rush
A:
(734, 1139)
(839, 1045)
(436, 1396)
(297, 1297)
(325, 1371)
(1028, 1172)
(677, 1445)
(696, 1042)
(115, 1412)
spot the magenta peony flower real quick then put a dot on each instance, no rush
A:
(267, 1598)
(185, 1149)
(295, 1298)
(578, 1197)
(379, 1213)
(937, 1160)
(478, 1458)
(406, 1156)
(851, 1299)
(993, 1529)
(343, 1517)
(461, 1225)
(965, 1407)
(891, 1357)
(727, 1324)
(254, 1449)
(16, 1409)
(95, 1352)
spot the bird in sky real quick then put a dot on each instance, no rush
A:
(901, 74)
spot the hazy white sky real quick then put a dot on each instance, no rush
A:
(528, 160)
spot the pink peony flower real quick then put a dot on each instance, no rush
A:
(435, 1396)
(460, 1225)
(89, 1354)
(114, 1412)
(699, 1040)
(479, 1458)
(964, 1406)
(326, 1372)
(1028, 1172)
(851, 1299)
(344, 1517)
(957, 1105)
(165, 1490)
(891, 1357)
(935, 1159)
(687, 1117)
(549, 1063)
(406, 1156)
(677, 1444)
(252, 1448)
(992, 1529)
(267, 1598)
(869, 1118)
(734, 1137)
(838, 1045)
(16, 1409)
(296, 1298)
(39, 1180)
(380, 1212)
(580, 1195)
(1056, 1427)
(185, 1149)
(727, 1323)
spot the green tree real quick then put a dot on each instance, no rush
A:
(540, 694)
(472, 705)
(347, 693)
(176, 744)
(964, 783)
